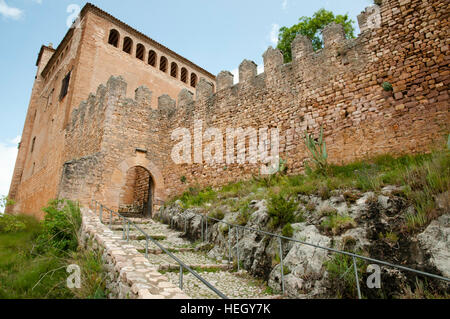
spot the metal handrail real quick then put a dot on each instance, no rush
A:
(280, 237)
(148, 237)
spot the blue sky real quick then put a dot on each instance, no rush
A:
(217, 35)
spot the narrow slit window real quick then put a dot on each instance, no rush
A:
(64, 86)
(32, 144)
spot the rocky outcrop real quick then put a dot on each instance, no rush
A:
(377, 230)
(436, 241)
(303, 265)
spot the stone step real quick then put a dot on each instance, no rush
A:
(220, 273)
(159, 251)
(195, 267)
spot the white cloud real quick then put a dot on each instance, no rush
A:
(10, 12)
(284, 4)
(8, 151)
(274, 34)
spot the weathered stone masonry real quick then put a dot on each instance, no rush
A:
(129, 274)
(338, 87)
(403, 42)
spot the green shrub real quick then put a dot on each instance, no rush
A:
(11, 224)
(387, 86)
(287, 230)
(324, 191)
(5, 202)
(423, 181)
(194, 198)
(27, 273)
(217, 214)
(389, 237)
(318, 149)
(342, 275)
(336, 224)
(281, 211)
(60, 226)
(244, 214)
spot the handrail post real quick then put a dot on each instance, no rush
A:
(281, 264)
(229, 244)
(123, 229)
(356, 277)
(110, 219)
(206, 231)
(128, 231)
(101, 213)
(181, 277)
(185, 224)
(202, 228)
(146, 246)
(237, 247)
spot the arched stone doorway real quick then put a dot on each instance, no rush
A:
(116, 181)
(137, 193)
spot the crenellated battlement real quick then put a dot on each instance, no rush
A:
(303, 53)
(337, 50)
(369, 18)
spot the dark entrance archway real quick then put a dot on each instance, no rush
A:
(136, 196)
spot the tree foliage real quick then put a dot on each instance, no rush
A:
(312, 27)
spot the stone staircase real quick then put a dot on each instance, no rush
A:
(220, 273)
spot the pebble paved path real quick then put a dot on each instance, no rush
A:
(238, 285)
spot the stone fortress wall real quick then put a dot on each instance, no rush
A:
(403, 42)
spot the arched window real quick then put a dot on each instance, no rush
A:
(173, 70)
(184, 75)
(152, 58)
(140, 50)
(114, 38)
(163, 64)
(127, 45)
(193, 80)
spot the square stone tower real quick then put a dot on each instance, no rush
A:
(97, 47)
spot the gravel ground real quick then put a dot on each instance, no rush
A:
(232, 285)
